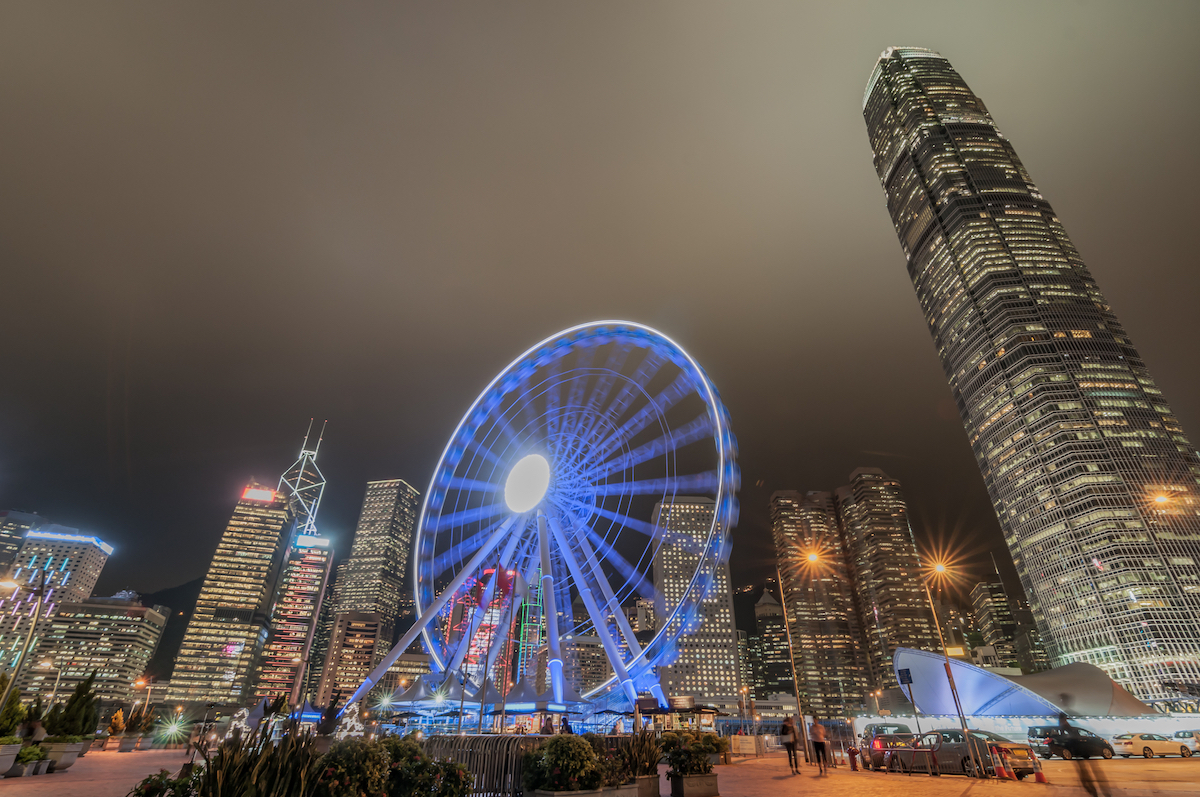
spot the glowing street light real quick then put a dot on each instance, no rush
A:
(812, 557)
(939, 570)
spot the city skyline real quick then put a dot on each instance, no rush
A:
(152, 309)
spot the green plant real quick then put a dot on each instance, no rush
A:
(253, 766)
(31, 753)
(13, 713)
(10, 739)
(688, 755)
(613, 769)
(164, 785)
(35, 711)
(352, 768)
(641, 753)
(62, 739)
(564, 763)
(75, 717)
(412, 773)
(116, 725)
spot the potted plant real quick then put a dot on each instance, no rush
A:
(691, 772)
(564, 764)
(62, 750)
(9, 747)
(134, 728)
(33, 720)
(642, 752)
(33, 760)
(720, 746)
(353, 767)
(412, 772)
(116, 730)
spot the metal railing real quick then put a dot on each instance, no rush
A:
(495, 762)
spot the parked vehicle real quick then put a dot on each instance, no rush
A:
(946, 751)
(881, 728)
(1148, 745)
(1068, 743)
(879, 747)
(1189, 742)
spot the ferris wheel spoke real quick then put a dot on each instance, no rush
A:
(651, 364)
(460, 483)
(454, 555)
(624, 520)
(465, 516)
(659, 404)
(622, 566)
(475, 446)
(635, 649)
(697, 429)
(705, 482)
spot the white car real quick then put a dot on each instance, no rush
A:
(1148, 745)
(1188, 741)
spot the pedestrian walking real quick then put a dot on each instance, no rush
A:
(817, 733)
(787, 735)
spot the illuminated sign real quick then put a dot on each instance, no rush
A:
(258, 494)
(956, 651)
(309, 541)
(49, 535)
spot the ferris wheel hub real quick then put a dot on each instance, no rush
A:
(527, 483)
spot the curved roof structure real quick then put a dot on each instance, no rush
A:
(1087, 690)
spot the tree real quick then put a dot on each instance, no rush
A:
(13, 713)
(78, 713)
(116, 725)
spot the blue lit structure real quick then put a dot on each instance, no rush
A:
(545, 493)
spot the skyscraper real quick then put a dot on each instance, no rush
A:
(706, 665)
(881, 558)
(71, 562)
(13, 525)
(293, 621)
(373, 581)
(831, 664)
(770, 663)
(1089, 471)
(221, 648)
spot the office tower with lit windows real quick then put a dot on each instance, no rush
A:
(223, 644)
(293, 621)
(831, 663)
(70, 562)
(1090, 473)
(373, 581)
(706, 665)
(770, 663)
(585, 664)
(111, 637)
(882, 563)
(13, 526)
(994, 618)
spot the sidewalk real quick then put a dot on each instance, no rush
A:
(97, 774)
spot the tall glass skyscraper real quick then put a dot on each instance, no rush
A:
(1090, 473)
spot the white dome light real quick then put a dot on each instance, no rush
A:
(527, 483)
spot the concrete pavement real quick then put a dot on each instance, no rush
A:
(97, 774)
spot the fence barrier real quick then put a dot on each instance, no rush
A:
(493, 761)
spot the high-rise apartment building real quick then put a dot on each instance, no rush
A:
(373, 581)
(111, 637)
(881, 558)
(286, 655)
(706, 665)
(70, 563)
(1089, 471)
(222, 646)
(13, 525)
(831, 664)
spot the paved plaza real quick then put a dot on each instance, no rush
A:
(113, 774)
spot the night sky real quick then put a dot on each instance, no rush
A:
(219, 221)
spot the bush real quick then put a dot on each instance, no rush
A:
(76, 716)
(10, 739)
(564, 763)
(412, 772)
(13, 713)
(116, 725)
(163, 785)
(688, 755)
(62, 739)
(31, 753)
(614, 771)
(641, 753)
(253, 765)
(354, 768)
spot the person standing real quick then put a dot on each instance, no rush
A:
(787, 735)
(816, 732)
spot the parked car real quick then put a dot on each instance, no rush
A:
(880, 728)
(1068, 743)
(1189, 742)
(1148, 745)
(946, 751)
(878, 748)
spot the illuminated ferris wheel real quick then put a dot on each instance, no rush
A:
(539, 522)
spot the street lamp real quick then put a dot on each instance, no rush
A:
(139, 683)
(39, 592)
(939, 569)
(49, 665)
(787, 627)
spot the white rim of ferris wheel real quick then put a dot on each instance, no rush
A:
(510, 380)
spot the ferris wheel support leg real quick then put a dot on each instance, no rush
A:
(589, 602)
(431, 612)
(657, 691)
(551, 610)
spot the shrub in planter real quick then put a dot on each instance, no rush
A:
(164, 785)
(412, 773)
(13, 713)
(254, 765)
(564, 763)
(641, 753)
(613, 769)
(31, 753)
(688, 755)
(353, 767)
(9, 747)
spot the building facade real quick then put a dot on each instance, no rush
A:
(1091, 475)
(770, 662)
(372, 591)
(221, 650)
(293, 622)
(827, 640)
(69, 561)
(706, 665)
(13, 525)
(882, 561)
(111, 637)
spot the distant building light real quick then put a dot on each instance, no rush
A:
(49, 535)
(258, 494)
(310, 541)
(956, 651)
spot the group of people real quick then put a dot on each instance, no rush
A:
(789, 735)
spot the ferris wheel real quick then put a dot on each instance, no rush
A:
(546, 507)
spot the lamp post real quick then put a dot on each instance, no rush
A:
(49, 665)
(787, 627)
(39, 593)
(940, 569)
